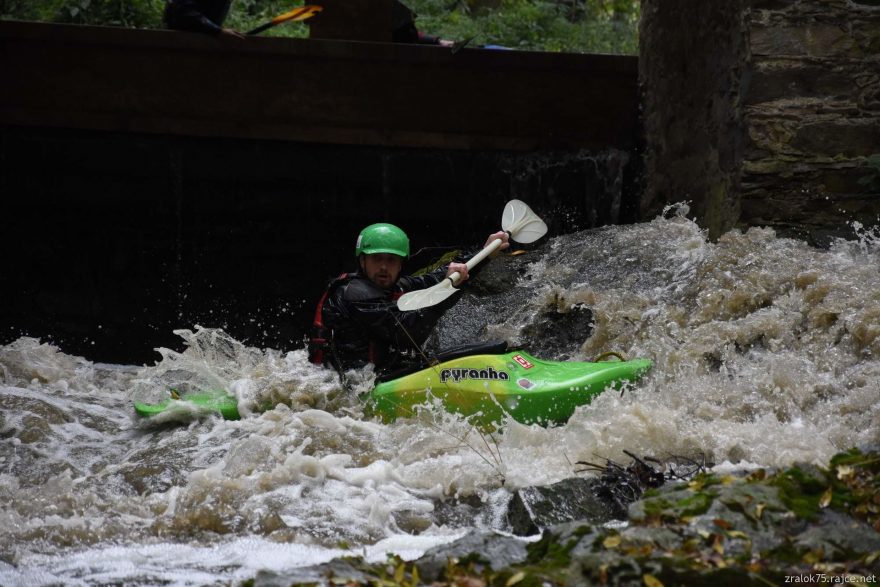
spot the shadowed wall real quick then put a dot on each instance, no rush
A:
(157, 180)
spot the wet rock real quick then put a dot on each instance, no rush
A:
(596, 500)
(475, 554)
(837, 536)
(486, 549)
(556, 329)
(736, 527)
(502, 273)
(459, 512)
(316, 575)
(742, 529)
(535, 508)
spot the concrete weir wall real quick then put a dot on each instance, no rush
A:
(764, 112)
(155, 180)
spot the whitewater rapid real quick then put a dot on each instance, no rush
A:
(766, 352)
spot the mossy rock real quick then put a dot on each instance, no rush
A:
(750, 529)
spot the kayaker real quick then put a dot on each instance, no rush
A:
(403, 28)
(199, 16)
(357, 320)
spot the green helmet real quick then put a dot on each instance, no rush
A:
(382, 238)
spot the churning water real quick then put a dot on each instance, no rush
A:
(766, 352)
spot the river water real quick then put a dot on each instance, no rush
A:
(766, 351)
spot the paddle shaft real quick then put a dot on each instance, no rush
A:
(521, 225)
(261, 28)
(487, 250)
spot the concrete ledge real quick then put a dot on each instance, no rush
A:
(337, 92)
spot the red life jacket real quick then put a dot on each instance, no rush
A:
(321, 339)
(321, 335)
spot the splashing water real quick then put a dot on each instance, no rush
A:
(765, 349)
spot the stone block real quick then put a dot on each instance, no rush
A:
(772, 136)
(798, 79)
(866, 32)
(773, 5)
(809, 40)
(868, 83)
(852, 137)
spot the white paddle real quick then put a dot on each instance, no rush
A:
(518, 220)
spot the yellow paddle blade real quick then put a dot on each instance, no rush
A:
(296, 15)
(301, 13)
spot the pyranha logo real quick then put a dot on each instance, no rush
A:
(458, 374)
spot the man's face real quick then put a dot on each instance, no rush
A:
(383, 269)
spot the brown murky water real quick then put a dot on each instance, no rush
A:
(766, 351)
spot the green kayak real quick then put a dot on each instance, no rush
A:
(484, 387)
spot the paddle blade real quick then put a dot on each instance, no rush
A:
(523, 225)
(297, 14)
(424, 298)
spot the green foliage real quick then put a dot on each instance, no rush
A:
(801, 490)
(693, 503)
(851, 484)
(575, 26)
(579, 26)
(446, 259)
(20, 9)
(127, 13)
(550, 551)
(855, 485)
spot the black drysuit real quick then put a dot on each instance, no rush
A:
(358, 322)
(198, 16)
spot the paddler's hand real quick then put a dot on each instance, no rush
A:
(505, 242)
(230, 34)
(462, 271)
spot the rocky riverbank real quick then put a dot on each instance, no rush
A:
(803, 524)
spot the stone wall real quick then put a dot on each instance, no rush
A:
(812, 113)
(763, 112)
